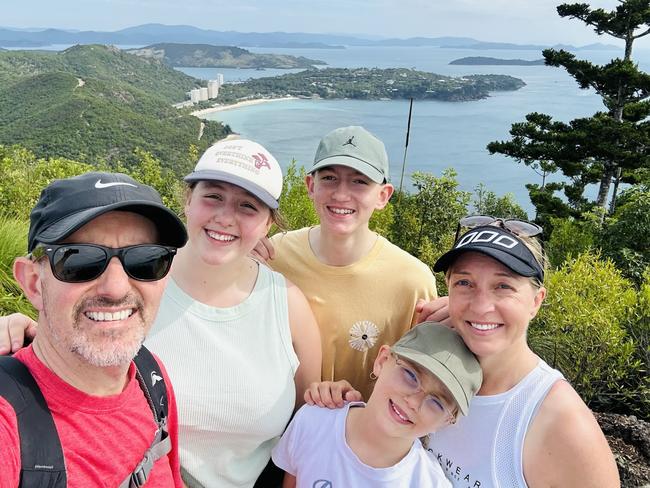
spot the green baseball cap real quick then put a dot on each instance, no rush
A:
(355, 148)
(441, 351)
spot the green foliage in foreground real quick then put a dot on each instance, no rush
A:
(13, 242)
(593, 327)
(623, 237)
(23, 176)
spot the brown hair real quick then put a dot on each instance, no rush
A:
(276, 216)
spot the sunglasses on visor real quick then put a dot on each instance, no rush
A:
(517, 227)
(77, 263)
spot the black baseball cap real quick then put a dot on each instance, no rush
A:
(497, 243)
(68, 204)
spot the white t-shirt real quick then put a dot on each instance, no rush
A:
(314, 450)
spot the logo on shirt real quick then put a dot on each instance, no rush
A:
(322, 484)
(155, 378)
(363, 335)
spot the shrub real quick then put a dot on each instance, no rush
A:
(13, 242)
(626, 238)
(582, 330)
(571, 237)
(295, 205)
(23, 176)
(487, 202)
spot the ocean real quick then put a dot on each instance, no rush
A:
(443, 134)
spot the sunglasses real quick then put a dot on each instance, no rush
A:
(521, 228)
(77, 263)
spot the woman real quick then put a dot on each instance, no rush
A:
(240, 343)
(527, 426)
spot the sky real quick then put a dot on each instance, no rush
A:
(518, 21)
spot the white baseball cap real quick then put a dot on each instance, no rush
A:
(244, 163)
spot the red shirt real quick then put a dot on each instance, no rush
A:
(103, 438)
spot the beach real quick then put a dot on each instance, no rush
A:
(245, 103)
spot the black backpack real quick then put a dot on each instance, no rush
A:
(41, 455)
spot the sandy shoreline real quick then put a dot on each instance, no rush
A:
(245, 103)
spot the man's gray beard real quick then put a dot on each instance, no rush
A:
(116, 352)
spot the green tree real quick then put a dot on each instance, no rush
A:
(295, 205)
(609, 146)
(425, 221)
(149, 170)
(23, 176)
(487, 202)
(626, 236)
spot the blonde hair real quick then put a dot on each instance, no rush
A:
(534, 245)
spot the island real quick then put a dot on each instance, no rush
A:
(487, 61)
(209, 56)
(369, 84)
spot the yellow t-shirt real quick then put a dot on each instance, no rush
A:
(358, 307)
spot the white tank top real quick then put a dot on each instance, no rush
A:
(485, 449)
(232, 370)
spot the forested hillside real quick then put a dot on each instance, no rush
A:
(209, 56)
(97, 103)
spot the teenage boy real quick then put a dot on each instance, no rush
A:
(100, 246)
(362, 288)
(425, 381)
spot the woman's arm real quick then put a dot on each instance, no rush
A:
(306, 341)
(564, 445)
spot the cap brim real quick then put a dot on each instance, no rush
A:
(508, 260)
(255, 190)
(170, 228)
(361, 166)
(440, 371)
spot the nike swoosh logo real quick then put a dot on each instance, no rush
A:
(99, 184)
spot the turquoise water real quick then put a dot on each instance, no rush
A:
(443, 134)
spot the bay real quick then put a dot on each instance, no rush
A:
(443, 134)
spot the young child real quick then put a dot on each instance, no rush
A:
(423, 383)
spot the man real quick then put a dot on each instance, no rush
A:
(100, 247)
(362, 288)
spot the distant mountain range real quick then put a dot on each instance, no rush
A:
(485, 61)
(157, 33)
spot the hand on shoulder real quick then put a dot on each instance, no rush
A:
(331, 394)
(16, 330)
(433, 311)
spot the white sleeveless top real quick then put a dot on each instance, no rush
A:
(485, 449)
(232, 370)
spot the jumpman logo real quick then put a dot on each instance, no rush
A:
(350, 142)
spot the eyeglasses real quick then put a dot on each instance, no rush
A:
(521, 228)
(77, 263)
(410, 383)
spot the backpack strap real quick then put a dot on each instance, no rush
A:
(41, 455)
(153, 385)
